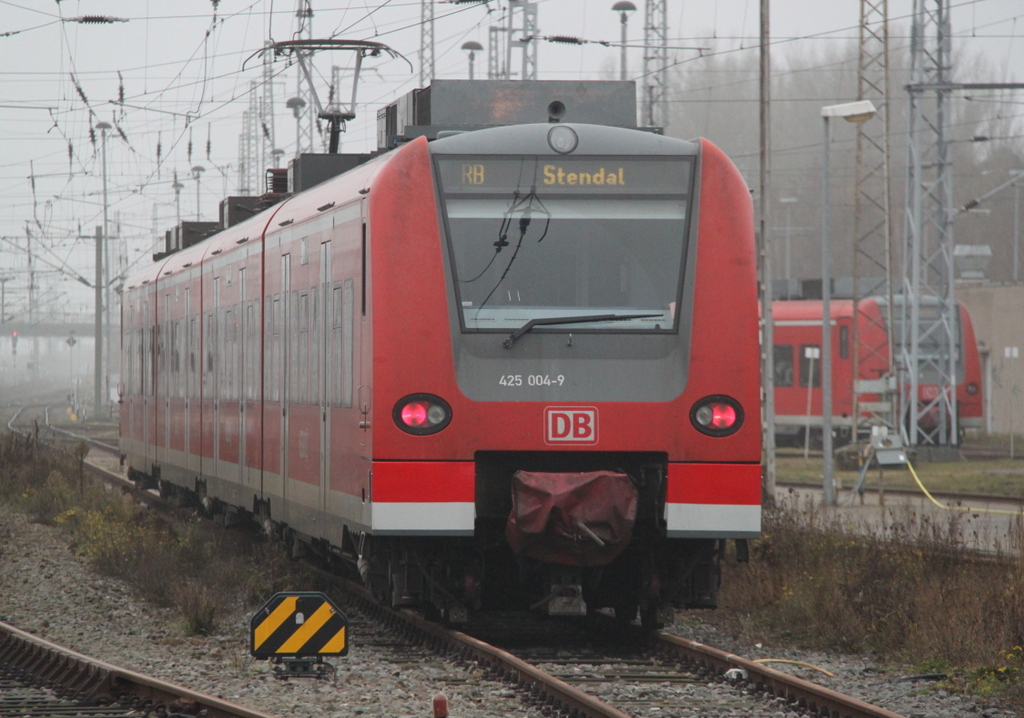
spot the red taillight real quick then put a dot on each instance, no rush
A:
(723, 416)
(422, 414)
(415, 413)
(717, 415)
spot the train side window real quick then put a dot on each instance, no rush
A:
(783, 365)
(250, 350)
(302, 373)
(810, 369)
(347, 350)
(274, 376)
(315, 392)
(844, 342)
(335, 347)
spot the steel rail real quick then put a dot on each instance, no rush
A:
(818, 700)
(82, 678)
(508, 667)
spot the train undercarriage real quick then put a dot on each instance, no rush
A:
(572, 573)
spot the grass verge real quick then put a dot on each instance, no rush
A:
(912, 593)
(191, 564)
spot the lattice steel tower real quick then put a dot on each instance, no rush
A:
(305, 116)
(929, 318)
(501, 41)
(872, 251)
(654, 99)
(426, 42)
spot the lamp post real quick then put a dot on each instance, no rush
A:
(177, 187)
(623, 7)
(101, 238)
(789, 202)
(197, 171)
(296, 105)
(851, 112)
(1016, 222)
(472, 47)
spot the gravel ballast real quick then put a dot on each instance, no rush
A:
(47, 590)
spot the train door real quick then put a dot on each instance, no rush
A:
(362, 354)
(286, 345)
(321, 333)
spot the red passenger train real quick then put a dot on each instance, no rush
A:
(797, 328)
(513, 367)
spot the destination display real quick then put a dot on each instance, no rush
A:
(604, 175)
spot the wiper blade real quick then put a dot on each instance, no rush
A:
(585, 319)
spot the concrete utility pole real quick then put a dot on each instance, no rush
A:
(101, 239)
(767, 279)
(97, 378)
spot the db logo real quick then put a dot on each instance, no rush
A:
(570, 425)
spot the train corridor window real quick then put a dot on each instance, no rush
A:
(782, 364)
(589, 236)
(810, 366)
(844, 342)
(302, 370)
(347, 347)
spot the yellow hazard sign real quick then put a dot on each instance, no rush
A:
(298, 625)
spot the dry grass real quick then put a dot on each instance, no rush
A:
(191, 564)
(913, 593)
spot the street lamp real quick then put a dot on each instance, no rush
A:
(177, 187)
(851, 112)
(623, 7)
(197, 171)
(472, 47)
(296, 105)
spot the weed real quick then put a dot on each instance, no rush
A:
(911, 592)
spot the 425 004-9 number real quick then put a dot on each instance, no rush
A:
(531, 380)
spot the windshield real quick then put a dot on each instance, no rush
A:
(536, 238)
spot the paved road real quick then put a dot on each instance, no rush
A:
(989, 525)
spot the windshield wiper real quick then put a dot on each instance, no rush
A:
(585, 319)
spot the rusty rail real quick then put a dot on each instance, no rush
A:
(81, 678)
(815, 699)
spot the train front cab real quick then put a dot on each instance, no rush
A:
(527, 322)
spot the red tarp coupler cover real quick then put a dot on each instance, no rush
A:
(571, 519)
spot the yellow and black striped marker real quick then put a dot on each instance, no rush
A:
(298, 625)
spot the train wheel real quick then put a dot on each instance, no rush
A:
(649, 618)
(625, 612)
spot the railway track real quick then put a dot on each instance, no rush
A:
(657, 672)
(78, 685)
